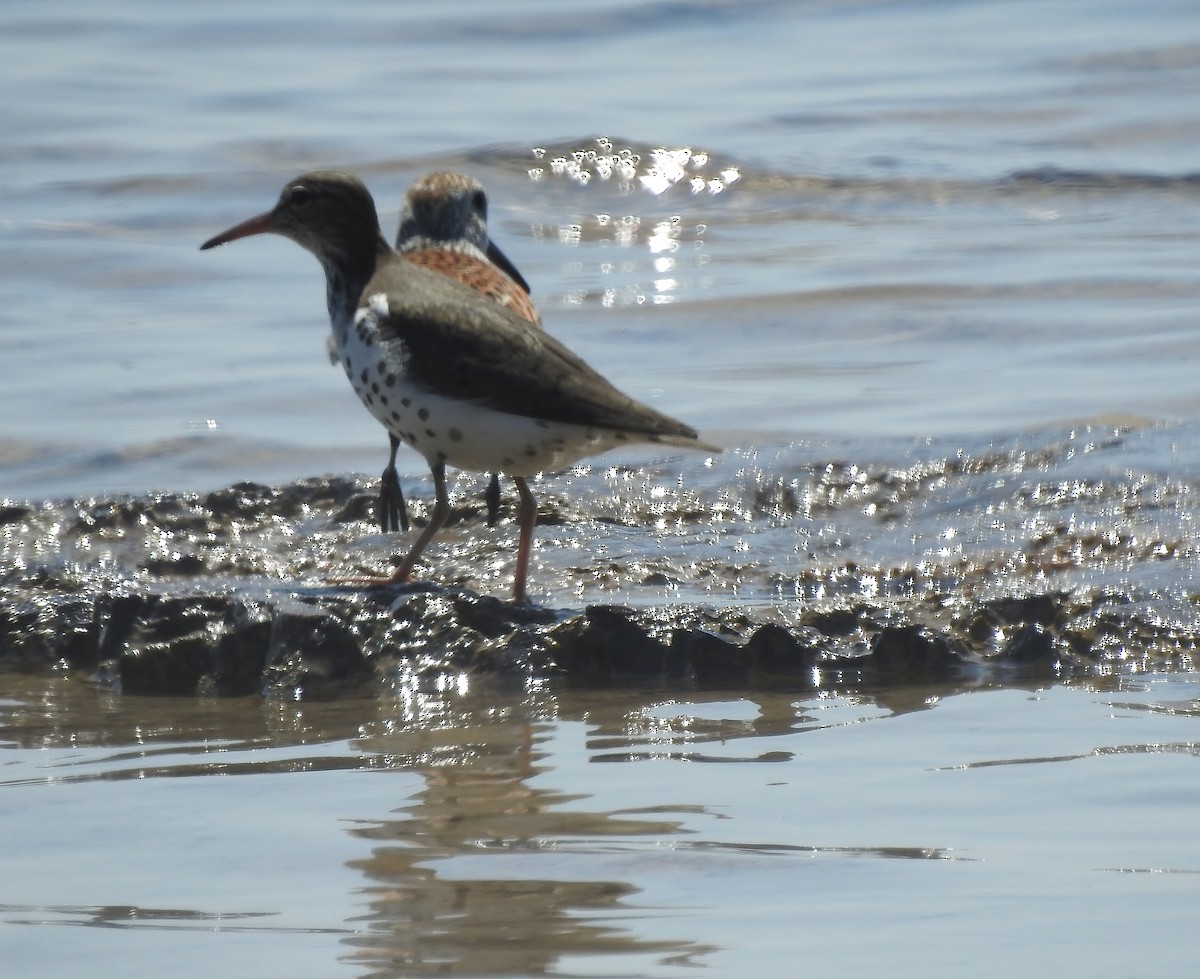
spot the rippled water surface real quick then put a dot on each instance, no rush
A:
(927, 271)
(840, 220)
(985, 831)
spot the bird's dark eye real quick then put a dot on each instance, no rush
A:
(299, 195)
(479, 202)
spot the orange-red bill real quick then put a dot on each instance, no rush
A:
(257, 225)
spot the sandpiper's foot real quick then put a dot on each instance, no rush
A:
(491, 496)
(393, 511)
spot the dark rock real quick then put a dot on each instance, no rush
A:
(239, 500)
(11, 513)
(832, 622)
(361, 506)
(169, 644)
(1031, 644)
(492, 617)
(240, 655)
(314, 651)
(118, 612)
(776, 650)
(712, 659)
(610, 641)
(70, 622)
(176, 565)
(1042, 610)
(171, 667)
(115, 514)
(912, 651)
(322, 492)
(19, 646)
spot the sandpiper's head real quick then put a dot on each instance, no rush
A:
(330, 213)
(444, 207)
(451, 209)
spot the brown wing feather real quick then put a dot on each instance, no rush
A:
(500, 360)
(483, 277)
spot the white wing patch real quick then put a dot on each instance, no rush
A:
(378, 305)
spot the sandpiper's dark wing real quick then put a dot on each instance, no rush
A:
(464, 346)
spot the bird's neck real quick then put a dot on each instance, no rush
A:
(421, 243)
(346, 276)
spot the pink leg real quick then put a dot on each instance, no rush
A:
(527, 518)
(441, 510)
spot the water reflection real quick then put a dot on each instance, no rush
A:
(130, 916)
(505, 847)
(440, 901)
(431, 912)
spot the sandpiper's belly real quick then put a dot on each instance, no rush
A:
(462, 434)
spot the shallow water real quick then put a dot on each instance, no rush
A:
(485, 832)
(927, 270)
(894, 219)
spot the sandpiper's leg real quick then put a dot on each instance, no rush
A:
(441, 510)
(491, 497)
(393, 512)
(527, 519)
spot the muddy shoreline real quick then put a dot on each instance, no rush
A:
(212, 595)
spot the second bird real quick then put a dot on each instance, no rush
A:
(443, 227)
(456, 375)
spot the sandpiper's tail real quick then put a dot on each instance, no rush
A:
(692, 441)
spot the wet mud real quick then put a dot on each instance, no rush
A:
(1043, 557)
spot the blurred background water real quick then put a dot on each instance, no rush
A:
(815, 230)
(875, 220)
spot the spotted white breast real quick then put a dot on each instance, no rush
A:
(461, 433)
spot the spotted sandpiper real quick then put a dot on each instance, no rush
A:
(443, 226)
(460, 378)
